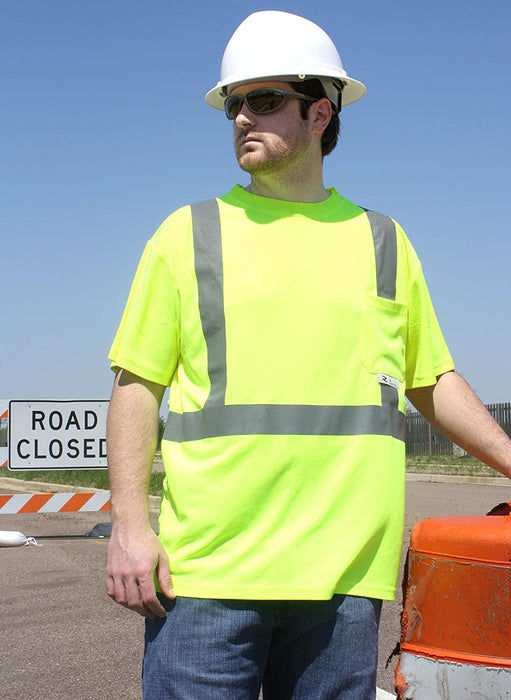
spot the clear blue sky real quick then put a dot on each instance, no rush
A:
(104, 131)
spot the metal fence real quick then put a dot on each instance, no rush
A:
(423, 439)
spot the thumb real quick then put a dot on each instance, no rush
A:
(164, 577)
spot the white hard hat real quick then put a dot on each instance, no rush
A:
(274, 44)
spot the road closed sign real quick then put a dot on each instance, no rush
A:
(57, 435)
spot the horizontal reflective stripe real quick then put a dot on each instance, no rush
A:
(279, 419)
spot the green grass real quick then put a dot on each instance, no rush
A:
(448, 464)
(89, 478)
(428, 464)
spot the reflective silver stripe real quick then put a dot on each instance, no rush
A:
(207, 243)
(279, 419)
(385, 251)
(217, 419)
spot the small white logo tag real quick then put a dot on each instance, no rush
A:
(390, 381)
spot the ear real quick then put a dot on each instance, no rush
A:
(320, 113)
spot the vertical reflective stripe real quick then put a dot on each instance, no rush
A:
(217, 419)
(385, 251)
(207, 242)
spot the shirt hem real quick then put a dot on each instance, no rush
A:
(117, 363)
(430, 380)
(261, 592)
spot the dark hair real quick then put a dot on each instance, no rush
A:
(314, 88)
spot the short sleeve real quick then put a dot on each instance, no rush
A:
(427, 355)
(147, 341)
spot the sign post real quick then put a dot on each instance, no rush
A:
(49, 435)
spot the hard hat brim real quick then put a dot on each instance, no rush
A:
(353, 89)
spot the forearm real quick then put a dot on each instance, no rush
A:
(453, 408)
(132, 435)
(135, 555)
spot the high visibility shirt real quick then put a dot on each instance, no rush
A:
(288, 333)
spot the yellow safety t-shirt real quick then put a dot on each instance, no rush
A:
(288, 333)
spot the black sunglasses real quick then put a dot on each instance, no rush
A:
(262, 101)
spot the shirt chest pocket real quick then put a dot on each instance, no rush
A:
(383, 332)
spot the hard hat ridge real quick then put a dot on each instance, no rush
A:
(275, 44)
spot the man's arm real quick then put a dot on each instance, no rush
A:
(134, 551)
(453, 408)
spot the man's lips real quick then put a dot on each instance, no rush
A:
(247, 139)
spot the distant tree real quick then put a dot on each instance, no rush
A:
(3, 432)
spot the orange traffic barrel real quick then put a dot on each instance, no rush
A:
(456, 621)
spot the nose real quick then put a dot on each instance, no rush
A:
(245, 117)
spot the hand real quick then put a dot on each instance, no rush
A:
(132, 560)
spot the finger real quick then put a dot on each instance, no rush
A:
(138, 605)
(141, 610)
(149, 598)
(109, 585)
(133, 597)
(125, 592)
(164, 578)
(115, 589)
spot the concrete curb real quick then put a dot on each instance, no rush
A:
(448, 478)
(22, 486)
(46, 487)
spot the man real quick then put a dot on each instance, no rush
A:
(289, 323)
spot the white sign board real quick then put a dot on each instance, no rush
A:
(57, 435)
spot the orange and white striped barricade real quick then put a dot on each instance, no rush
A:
(98, 501)
(456, 623)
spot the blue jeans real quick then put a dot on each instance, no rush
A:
(297, 650)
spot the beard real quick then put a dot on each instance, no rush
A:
(270, 153)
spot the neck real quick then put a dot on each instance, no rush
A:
(291, 186)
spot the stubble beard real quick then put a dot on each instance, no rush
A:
(271, 160)
(274, 157)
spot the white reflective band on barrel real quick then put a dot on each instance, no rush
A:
(436, 679)
(217, 418)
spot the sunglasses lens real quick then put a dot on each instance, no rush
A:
(258, 101)
(232, 106)
(262, 101)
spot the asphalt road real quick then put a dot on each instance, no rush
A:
(62, 637)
